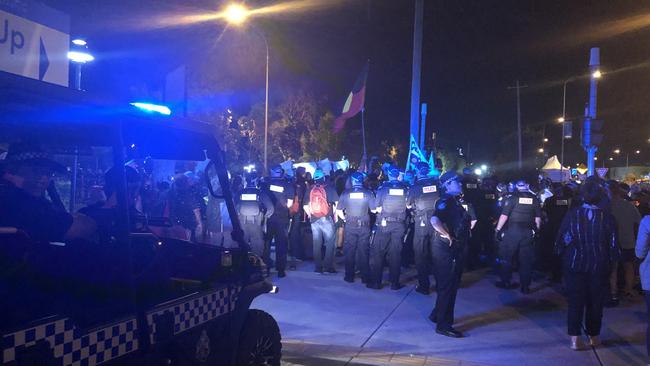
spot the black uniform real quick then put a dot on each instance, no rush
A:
(518, 236)
(252, 207)
(356, 204)
(448, 260)
(422, 200)
(555, 208)
(279, 191)
(486, 215)
(391, 197)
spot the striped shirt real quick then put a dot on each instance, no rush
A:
(587, 240)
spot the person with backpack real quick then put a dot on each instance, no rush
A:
(391, 207)
(281, 193)
(319, 204)
(253, 208)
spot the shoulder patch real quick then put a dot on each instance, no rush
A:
(429, 189)
(395, 192)
(525, 201)
(356, 195)
(249, 197)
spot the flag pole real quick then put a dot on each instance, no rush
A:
(363, 130)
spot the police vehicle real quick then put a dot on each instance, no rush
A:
(151, 295)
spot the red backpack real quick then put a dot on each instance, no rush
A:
(318, 202)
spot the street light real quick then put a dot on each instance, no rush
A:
(540, 150)
(237, 14)
(79, 55)
(545, 139)
(597, 74)
(617, 151)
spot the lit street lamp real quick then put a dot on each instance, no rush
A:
(237, 14)
(79, 55)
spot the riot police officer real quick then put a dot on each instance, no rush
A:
(421, 200)
(281, 192)
(354, 209)
(253, 208)
(451, 223)
(555, 207)
(391, 208)
(520, 219)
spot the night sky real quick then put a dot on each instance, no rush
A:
(473, 50)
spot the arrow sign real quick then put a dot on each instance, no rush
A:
(44, 63)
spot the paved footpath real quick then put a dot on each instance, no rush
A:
(326, 321)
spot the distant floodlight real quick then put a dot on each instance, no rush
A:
(638, 151)
(478, 171)
(80, 57)
(483, 167)
(148, 107)
(79, 42)
(545, 139)
(561, 119)
(617, 151)
(540, 150)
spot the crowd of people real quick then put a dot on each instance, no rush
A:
(590, 236)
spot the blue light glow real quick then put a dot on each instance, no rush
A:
(148, 107)
(79, 42)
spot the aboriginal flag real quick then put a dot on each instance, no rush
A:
(355, 102)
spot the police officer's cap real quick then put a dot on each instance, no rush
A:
(448, 177)
(393, 172)
(357, 178)
(276, 171)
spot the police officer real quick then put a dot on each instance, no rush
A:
(451, 223)
(354, 209)
(421, 200)
(252, 208)
(391, 208)
(520, 219)
(281, 192)
(554, 208)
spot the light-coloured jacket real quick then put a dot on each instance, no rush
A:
(642, 248)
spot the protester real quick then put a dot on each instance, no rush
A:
(319, 204)
(588, 244)
(642, 249)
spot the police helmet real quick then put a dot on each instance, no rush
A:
(521, 185)
(357, 178)
(409, 177)
(448, 177)
(511, 187)
(251, 179)
(393, 172)
(423, 169)
(276, 171)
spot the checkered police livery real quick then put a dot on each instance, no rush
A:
(71, 346)
(189, 313)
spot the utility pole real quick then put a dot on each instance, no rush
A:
(589, 141)
(519, 146)
(417, 67)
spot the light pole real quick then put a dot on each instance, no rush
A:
(237, 14)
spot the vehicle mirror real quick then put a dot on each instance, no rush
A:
(212, 180)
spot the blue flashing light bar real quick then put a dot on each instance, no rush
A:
(155, 108)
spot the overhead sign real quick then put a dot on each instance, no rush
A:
(601, 172)
(34, 41)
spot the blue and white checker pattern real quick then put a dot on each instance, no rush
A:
(195, 311)
(73, 347)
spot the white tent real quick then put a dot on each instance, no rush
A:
(553, 170)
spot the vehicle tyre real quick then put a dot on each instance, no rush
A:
(259, 343)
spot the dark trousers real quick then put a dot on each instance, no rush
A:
(447, 269)
(517, 240)
(356, 250)
(276, 231)
(388, 242)
(254, 236)
(322, 231)
(647, 333)
(585, 294)
(295, 238)
(422, 248)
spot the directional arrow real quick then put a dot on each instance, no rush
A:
(44, 62)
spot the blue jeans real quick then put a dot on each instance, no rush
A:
(323, 234)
